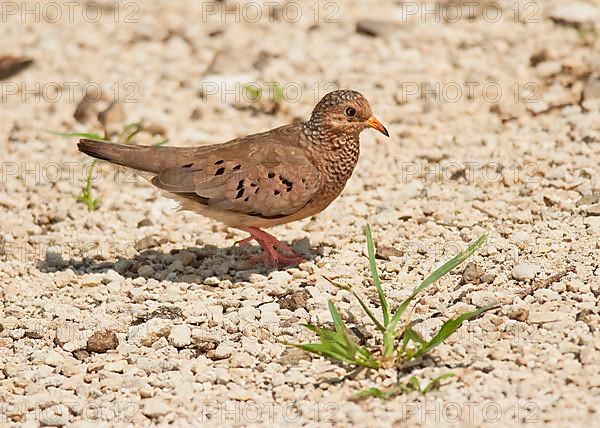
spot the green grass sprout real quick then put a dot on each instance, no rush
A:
(400, 344)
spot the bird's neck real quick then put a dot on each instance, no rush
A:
(334, 154)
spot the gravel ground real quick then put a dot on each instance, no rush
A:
(136, 314)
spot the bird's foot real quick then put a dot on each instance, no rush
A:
(284, 257)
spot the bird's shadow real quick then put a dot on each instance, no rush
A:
(198, 264)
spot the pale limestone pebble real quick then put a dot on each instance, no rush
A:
(147, 333)
(278, 280)
(155, 407)
(542, 317)
(524, 271)
(54, 358)
(483, 298)
(118, 366)
(269, 313)
(592, 223)
(576, 13)
(222, 351)
(212, 281)
(180, 336)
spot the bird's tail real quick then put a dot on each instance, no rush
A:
(142, 158)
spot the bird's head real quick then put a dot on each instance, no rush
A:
(346, 112)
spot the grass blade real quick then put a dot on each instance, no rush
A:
(435, 382)
(449, 327)
(437, 274)
(373, 266)
(379, 326)
(76, 134)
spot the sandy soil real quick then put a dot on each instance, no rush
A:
(135, 314)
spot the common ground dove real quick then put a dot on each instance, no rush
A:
(261, 180)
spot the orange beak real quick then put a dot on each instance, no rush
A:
(376, 124)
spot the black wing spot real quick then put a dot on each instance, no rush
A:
(219, 162)
(276, 192)
(189, 165)
(240, 184)
(287, 183)
(257, 189)
(271, 175)
(240, 193)
(238, 166)
(246, 198)
(253, 184)
(220, 171)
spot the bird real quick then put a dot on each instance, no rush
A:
(260, 180)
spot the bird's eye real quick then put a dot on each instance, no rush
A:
(350, 112)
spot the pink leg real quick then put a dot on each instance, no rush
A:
(270, 244)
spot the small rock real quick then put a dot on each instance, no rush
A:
(118, 366)
(242, 359)
(92, 280)
(122, 265)
(176, 266)
(222, 351)
(591, 90)
(279, 278)
(186, 257)
(268, 313)
(376, 27)
(518, 313)
(488, 278)
(482, 298)
(524, 271)
(192, 278)
(212, 281)
(588, 199)
(549, 68)
(541, 317)
(146, 242)
(384, 252)
(154, 407)
(295, 300)
(241, 394)
(576, 285)
(53, 358)
(149, 332)
(102, 341)
(146, 271)
(472, 273)
(11, 65)
(181, 336)
(593, 210)
(145, 222)
(576, 13)
(520, 239)
(592, 223)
